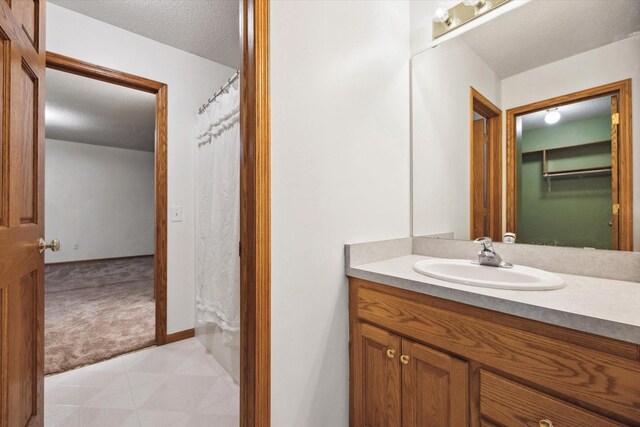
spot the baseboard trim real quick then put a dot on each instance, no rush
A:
(80, 261)
(181, 335)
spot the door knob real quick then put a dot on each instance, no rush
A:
(391, 353)
(54, 245)
(404, 359)
(545, 423)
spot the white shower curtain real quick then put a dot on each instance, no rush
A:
(218, 217)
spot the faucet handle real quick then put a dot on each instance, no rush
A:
(486, 242)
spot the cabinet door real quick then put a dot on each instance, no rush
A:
(376, 377)
(434, 388)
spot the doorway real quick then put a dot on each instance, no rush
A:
(486, 166)
(99, 204)
(569, 171)
(136, 268)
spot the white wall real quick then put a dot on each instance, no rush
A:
(607, 64)
(340, 173)
(100, 198)
(441, 81)
(191, 80)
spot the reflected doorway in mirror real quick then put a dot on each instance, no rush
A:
(583, 166)
(485, 167)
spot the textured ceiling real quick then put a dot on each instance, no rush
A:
(80, 109)
(570, 113)
(207, 28)
(544, 31)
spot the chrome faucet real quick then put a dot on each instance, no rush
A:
(488, 256)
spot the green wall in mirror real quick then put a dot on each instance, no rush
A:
(572, 210)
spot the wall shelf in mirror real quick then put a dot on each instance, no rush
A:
(578, 172)
(576, 161)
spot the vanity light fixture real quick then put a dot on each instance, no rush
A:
(475, 3)
(445, 20)
(552, 116)
(479, 5)
(441, 15)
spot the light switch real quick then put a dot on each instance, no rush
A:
(176, 213)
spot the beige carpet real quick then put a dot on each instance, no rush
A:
(97, 310)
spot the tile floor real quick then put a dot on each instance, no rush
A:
(178, 384)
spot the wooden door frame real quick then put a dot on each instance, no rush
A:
(625, 156)
(493, 116)
(255, 218)
(81, 68)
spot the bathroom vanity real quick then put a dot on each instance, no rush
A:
(522, 134)
(425, 352)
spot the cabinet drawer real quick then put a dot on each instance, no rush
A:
(507, 403)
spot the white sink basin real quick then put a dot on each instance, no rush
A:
(467, 273)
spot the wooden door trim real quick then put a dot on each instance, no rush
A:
(81, 68)
(623, 90)
(615, 173)
(493, 115)
(85, 69)
(181, 335)
(255, 218)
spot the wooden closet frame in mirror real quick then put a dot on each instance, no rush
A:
(625, 159)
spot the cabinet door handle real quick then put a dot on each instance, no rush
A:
(391, 353)
(405, 360)
(545, 423)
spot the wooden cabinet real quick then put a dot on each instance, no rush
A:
(417, 360)
(402, 383)
(434, 388)
(379, 377)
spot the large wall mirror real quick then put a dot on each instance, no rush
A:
(524, 125)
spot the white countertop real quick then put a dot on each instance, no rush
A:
(610, 308)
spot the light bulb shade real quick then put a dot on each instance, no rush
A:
(441, 15)
(552, 116)
(480, 6)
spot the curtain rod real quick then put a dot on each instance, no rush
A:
(223, 89)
